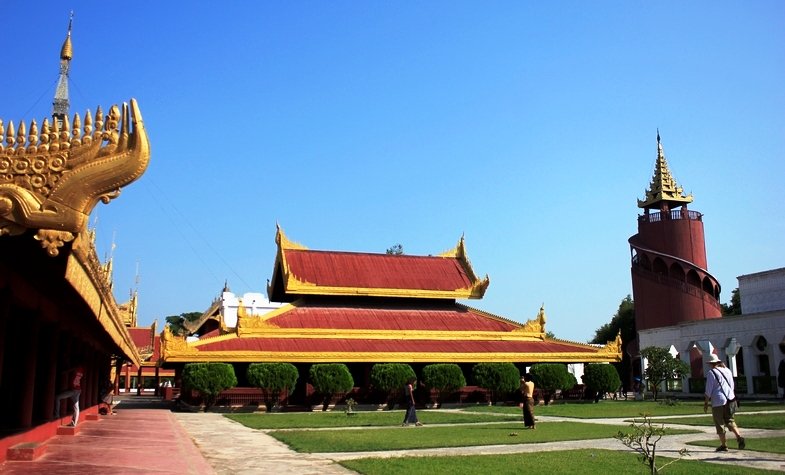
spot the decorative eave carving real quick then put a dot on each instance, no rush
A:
(663, 186)
(172, 345)
(86, 275)
(613, 347)
(535, 326)
(251, 323)
(51, 181)
(479, 286)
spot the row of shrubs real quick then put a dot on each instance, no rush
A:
(500, 379)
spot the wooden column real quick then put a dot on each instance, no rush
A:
(47, 368)
(28, 362)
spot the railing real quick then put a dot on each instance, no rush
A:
(676, 284)
(672, 214)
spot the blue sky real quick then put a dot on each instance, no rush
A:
(528, 127)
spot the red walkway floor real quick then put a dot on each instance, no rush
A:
(135, 440)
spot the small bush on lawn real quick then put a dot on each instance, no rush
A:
(272, 378)
(444, 378)
(390, 379)
(551, 376)
(330, 379)
(499, 378)
(601, 378)
(209, 379)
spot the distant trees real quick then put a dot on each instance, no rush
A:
(209, 379)
(662, 366)
(499, 378)
(734, 306)
(177, 323)
(623, 321)
(395, 250)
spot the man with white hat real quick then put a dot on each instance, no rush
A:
(720, 392)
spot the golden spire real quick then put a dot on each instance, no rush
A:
(663, 187)
(67, 51)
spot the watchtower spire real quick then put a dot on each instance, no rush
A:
(663, 189)
(60, 105)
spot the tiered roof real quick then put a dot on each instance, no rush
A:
(363, 307)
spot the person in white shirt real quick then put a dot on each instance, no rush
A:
(720, 392)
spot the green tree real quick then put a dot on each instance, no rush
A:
(662, 366)
(390, 378)
(177, 323)
(623, 321)
(499, 378)
(209, 379)
(272, 378)
(444, 378)
(329, 380)
(601, 378)
(550, 377)
(734, 307)
(395, 250)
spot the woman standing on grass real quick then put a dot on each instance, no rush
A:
(527, 388)
(411, 412)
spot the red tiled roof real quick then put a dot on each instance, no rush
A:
(141, 336)
(449, 317)
(382, 271)
(349, 345)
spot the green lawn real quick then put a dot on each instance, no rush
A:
(572, 462)
(605, 408)
(749, 421)
(304, 420)
(401, 438)
(767, 444)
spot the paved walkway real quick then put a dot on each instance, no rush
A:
(208, 430)
(145, 438)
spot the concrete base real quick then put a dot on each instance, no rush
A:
(26, 451)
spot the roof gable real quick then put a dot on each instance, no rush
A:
(300, 271)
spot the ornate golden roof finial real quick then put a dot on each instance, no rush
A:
(663, 187)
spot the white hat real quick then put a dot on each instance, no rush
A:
(714, 359)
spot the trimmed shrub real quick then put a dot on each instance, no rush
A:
(444, 378)
(499, 378)
(601, 378)
(330, 379)
(390, 378)
(272, 378)
(209, 379)
(550, 377)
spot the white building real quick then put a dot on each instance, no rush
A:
(752, 344)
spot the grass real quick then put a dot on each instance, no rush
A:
(402, 438)
(572, 462)
(606, 408)
(317, 420)
(773, 421)
(761, 444)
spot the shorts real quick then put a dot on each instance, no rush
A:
(722, 417)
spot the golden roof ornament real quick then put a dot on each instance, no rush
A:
(663, 187)
(52, 181)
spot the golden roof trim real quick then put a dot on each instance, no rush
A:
(395, 357)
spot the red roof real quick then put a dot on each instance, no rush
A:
(448, 317)
(141, 336)
(383, 271)
(300, 271)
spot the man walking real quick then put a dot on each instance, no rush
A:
(720, 392)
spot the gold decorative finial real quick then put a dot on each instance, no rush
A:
(67, 51)
(663, 187)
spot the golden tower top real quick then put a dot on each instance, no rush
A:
(663, 187)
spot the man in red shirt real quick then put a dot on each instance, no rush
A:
(73, 392)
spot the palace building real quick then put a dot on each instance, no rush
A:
(364, 308)
(57, 311)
